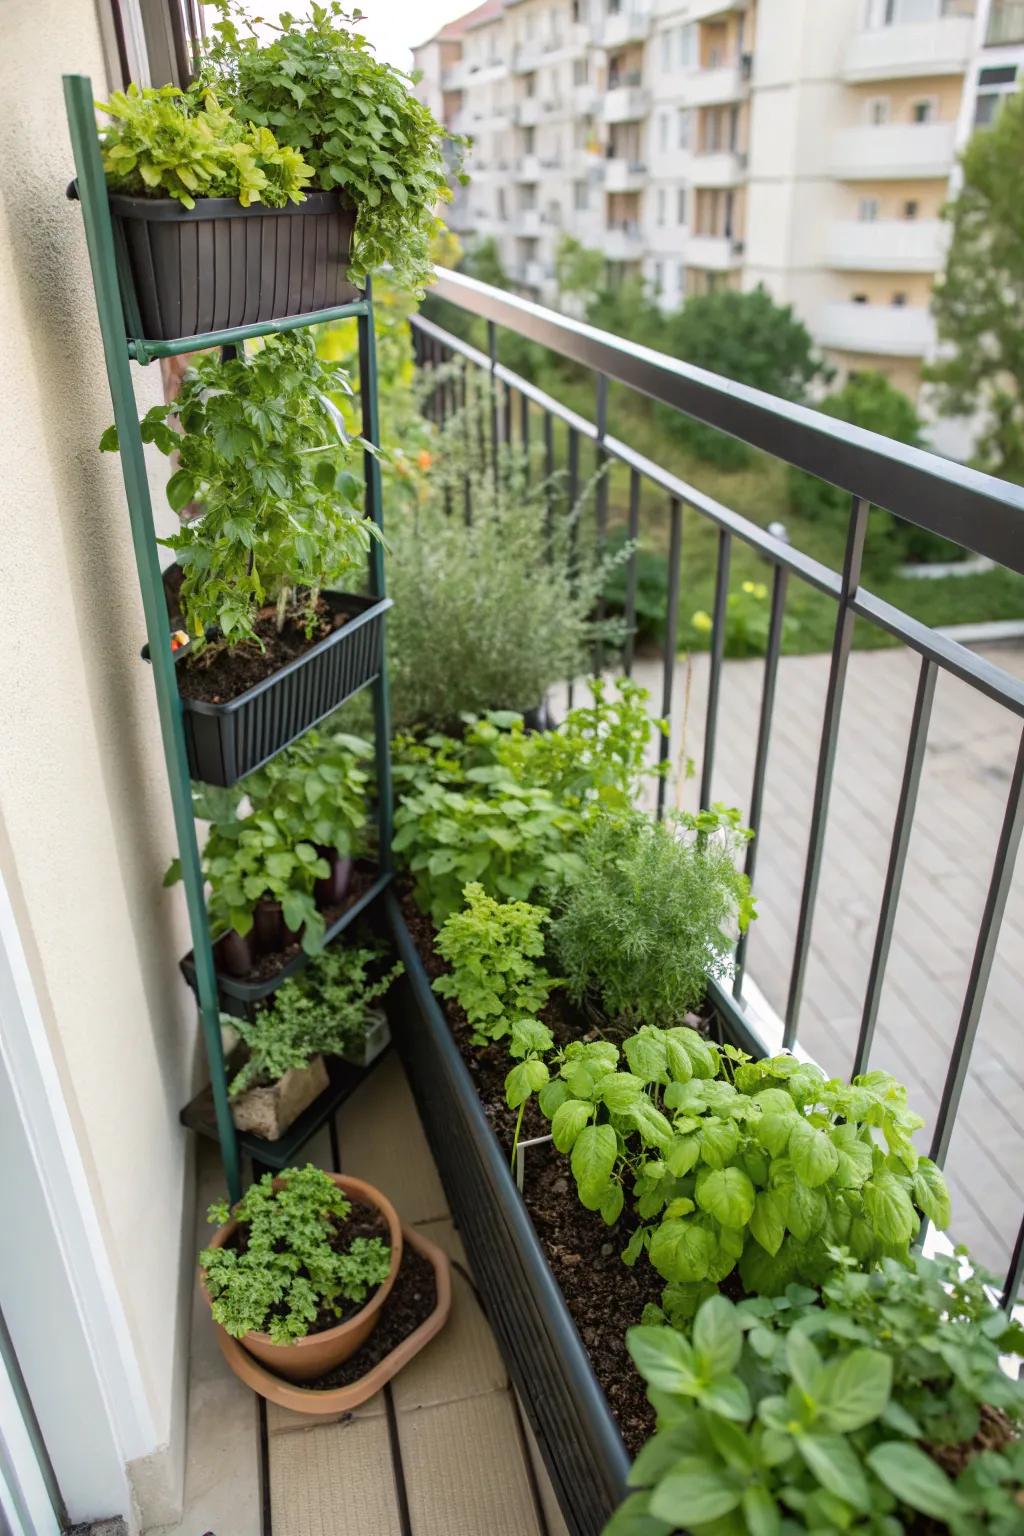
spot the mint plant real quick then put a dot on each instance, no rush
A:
(264, 452)
(652, 913)
(317, 791)
(496, 951)
(354, 119)
(165, 142)
(767, 1166)
(292, 1267)
(879, 1408)
(323, 1012)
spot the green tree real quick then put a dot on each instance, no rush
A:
(979, 302)
(746, 337)
(483, 261)
(579, 270)
(868, 400)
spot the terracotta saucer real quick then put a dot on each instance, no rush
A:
(343, 1399)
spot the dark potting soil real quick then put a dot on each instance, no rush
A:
(411, 1302)
(275, 960)
(604, 1296)
(218, 672)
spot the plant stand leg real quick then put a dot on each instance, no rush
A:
(374, 510)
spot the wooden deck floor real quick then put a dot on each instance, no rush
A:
(442, 1451)
(971, 748)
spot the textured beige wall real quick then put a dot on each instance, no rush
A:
(85, 825)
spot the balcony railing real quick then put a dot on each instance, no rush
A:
(718, 168)
(974, 510)
(625, 103)
(894, 330)
(716, 253)
(938, 47)
(1005, 23)
(711, 87)
(887, 245)
(894, 151)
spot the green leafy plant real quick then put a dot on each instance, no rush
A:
(165, 142)
(265, 453)
(496, 951)
(530, 1040)
(246, 861)
(316, 791)
(513, 589)
(767, 1166)
(747, 622)
(645, 922)
(325, 1011)
(293, 1267)
(880, 1408)
(353, 117)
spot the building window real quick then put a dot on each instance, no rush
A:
(687, 47)
(580, 196)
(663, 131)
(910, 208)
(658, 276)
(581, 71)
(923, 111)
(666, 52)
(899, 300)
(683, 128)
(985, 109)
(661, 205)
(867, 210)
(501, 203)
(681, 206)
(682, 279)
(878, 110)
(858, 298)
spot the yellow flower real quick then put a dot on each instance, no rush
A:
(755, 589)
(701, 621)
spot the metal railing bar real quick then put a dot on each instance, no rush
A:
(764, 728)
(633, 534)
(549, 480)
(950, 654)
(902, 829)
(981, 964)
(1015, 1273)
(507, 414)
(773, 549)
(573, 495)
(600, 503)
(675, 551)
(524, 425)
(976, 510)
(826, 763)
(715, 665)
(492, 352)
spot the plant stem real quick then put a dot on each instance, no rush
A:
(515, 1138)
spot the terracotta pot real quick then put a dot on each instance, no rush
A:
(318, 1353)
(331, 889)
(234, 954)
(337, 1400)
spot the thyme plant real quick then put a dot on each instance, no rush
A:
(496, 951)
(293, 1266)
(265, 453)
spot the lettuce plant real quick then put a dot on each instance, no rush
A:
(879, 1407)
(496, 952)
(766, 1166)
(164, 142)
(291, 1268)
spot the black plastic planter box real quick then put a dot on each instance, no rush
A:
(185, 271)
(578, 1437)
(227, 741)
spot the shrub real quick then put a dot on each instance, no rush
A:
(644, 924)
(183, 144)
(883, 1409)
(352, 116)
(290, 1270)
(490, 610)
(496, 951)
(325, 1011)
(764, 1165)
(263, 451)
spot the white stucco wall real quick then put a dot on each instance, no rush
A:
(85, 824)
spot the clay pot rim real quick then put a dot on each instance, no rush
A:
(307, 1400)
(363, 1194)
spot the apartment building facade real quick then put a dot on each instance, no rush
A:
(806, 145)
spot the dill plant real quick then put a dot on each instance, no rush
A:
(647, 920)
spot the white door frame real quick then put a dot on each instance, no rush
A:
(58, 1291)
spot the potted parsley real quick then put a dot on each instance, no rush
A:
(275, 183)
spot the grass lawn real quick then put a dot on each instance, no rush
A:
(760, 492)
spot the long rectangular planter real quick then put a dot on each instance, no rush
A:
(227, 741)
(578, 1437)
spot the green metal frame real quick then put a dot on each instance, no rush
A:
(119, 351)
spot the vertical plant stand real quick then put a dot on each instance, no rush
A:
(121, 348)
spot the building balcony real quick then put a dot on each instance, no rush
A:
(893, 151)
(623, 240)
(715, 253)
(706, 10)
(622, 175)
(719, 168)
(536, 273)
(530, 222)
(710, 87)
(531, 110)
(891, 330)
(585, 100)
(528, 168)
(625, 103)
(939, 47)
(632, 25)
(887, 245)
